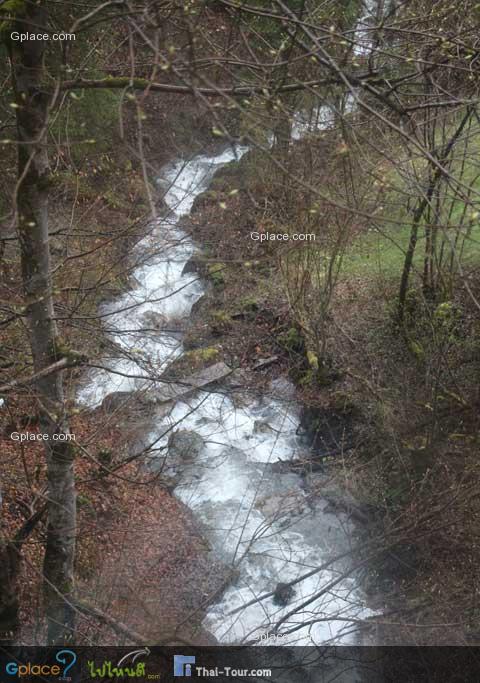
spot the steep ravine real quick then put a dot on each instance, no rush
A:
(258, 518)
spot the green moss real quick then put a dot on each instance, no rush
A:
(105, 456)
(416, 349)
(307, 379)
(221, 316)
(201, 357)
(341, 402)
(14, 8)
(249, 304)
(220, 322)
(216, 273)
(114, 199)
(88, 122)
(312, 359)
(84, 501)
(292, 341)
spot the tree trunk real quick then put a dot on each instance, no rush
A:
(10, 557)
(31, 97)
(435, 178)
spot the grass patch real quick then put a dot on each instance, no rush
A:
(381, 252)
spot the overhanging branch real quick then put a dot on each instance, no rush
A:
(127, 83)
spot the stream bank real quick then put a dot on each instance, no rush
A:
(257, 518)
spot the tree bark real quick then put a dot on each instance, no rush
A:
(32, 103)
(10, 558)
(435, 178)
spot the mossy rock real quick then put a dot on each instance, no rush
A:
(220, 322)
(201, 358)
(191, 361)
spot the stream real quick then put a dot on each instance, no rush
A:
(266, 523)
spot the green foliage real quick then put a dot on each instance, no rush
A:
(105, 456)
(249, 304)
(87, 123)
(220, 322)
(342, 402)
(84, 501)
(380, 252)
(216, 273)
(292, 341)
(269, 29)
(199, 358)
(14, 9)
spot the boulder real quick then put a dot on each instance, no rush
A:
(185, 444)
(194, 264)
(261, 427)
(135, 402)
(154, 320)
(172, 391)
(282, 508)
(117, 400)
(282, 388)
(283, 594)
(199, 305)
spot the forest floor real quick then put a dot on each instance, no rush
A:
(141, 558)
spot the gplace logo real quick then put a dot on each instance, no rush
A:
(65, 657)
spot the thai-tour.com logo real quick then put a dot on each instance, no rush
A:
(183, 665)
(65, 658)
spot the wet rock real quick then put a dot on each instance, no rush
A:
(195, 264)
(265, 362)
(282, 507)
(200, 304)
(282, 388)
(118, 400)
(270, 506)
(283, 594)
(154, 320)
(261, 427)
(172, 391)
(135, 403)
(234, 454)
(240, 378)
(241, 384)
(185, 444)
(315, 481)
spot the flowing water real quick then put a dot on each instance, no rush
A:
(264, 522)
